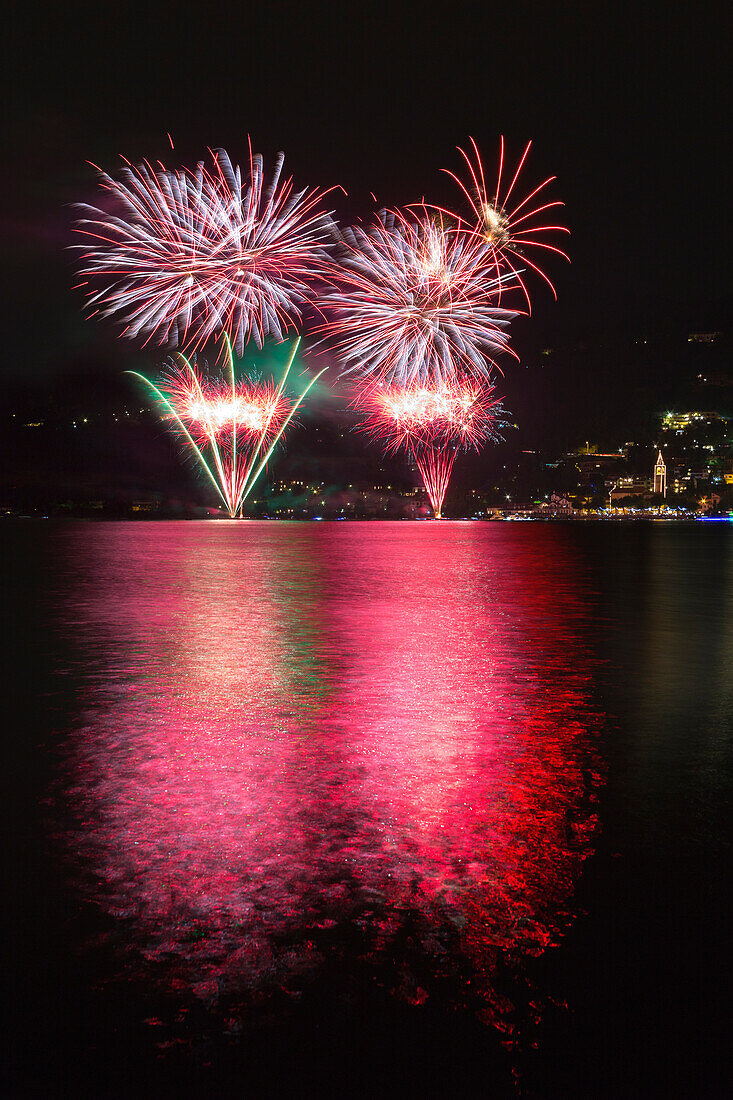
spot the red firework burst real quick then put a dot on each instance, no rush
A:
(513, 227)
(432, 424)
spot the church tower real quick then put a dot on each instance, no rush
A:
(660, 476)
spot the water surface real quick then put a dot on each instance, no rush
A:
(315, 777)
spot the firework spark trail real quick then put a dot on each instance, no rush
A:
(432, 424)
(435, 466)
(415, 301)
(237, 425)
(513, 228)
(206, 251)
(221, 417)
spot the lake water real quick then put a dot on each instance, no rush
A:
(322, 809)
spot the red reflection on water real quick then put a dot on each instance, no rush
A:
(303, 746)
(466, 698)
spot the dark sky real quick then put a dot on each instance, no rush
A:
(629, 107)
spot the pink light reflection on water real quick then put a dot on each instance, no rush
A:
(466, 698)
(294, 739)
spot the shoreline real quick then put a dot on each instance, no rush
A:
(598, 518)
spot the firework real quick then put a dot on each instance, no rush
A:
(432, 424)
(511, 226)
(231, 427)
(415, 302)
(197, 253)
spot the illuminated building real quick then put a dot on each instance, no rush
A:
(625, 487)
(660, 475)
(703, 337)
(678, 422)
(559, 505)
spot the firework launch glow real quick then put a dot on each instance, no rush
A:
(203, 252)
(432, 424)
(231, 427)
(415, 302)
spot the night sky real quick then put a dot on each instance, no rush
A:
(630, 108)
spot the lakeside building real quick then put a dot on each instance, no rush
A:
(630, 486)
(660, 475)
(558, 506)
(627, 487)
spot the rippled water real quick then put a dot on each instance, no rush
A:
(372, 756)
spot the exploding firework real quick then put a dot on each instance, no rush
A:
(432, 424)
(415, 302)
(196, 253)
(231, 427)
(513, 227)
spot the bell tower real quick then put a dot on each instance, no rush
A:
(660, 475)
